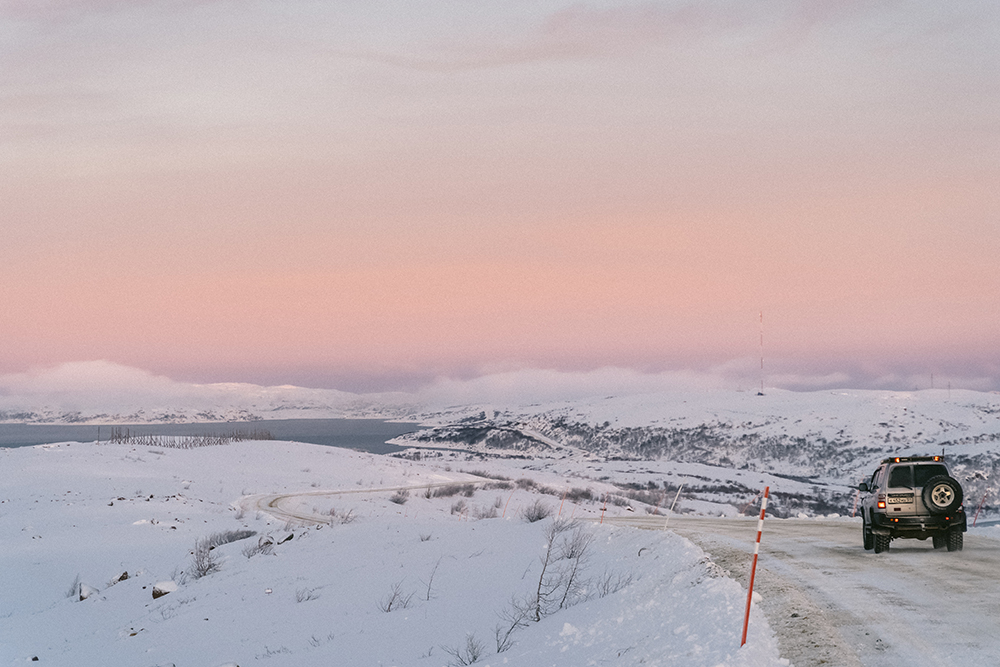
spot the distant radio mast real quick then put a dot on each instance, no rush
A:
(761, 392)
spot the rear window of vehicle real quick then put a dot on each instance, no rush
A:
(901, 477)
(922, 473)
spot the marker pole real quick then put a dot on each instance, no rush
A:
(753, 568)
(978, 509)
(752, 501)
(507, 503)
(671, 511)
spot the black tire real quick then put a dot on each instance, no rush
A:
(940, 541)
(955, 539)
(866, 535)
(942, 495)
(881, 543)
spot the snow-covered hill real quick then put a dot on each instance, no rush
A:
(435, 577)
(826, 441)
(822, 442)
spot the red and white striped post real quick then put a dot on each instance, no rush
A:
(753, 568)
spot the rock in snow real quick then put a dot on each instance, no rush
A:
(163, 588)
(87, 591)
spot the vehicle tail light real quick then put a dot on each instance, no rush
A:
(881, 504)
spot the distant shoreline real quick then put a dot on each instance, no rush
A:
(368, 435)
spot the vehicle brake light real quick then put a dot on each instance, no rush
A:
(881, 504)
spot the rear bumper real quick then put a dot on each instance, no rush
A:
(920, 527)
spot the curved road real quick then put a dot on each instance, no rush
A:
(282, 506)
(832, 603)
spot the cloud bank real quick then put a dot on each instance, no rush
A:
(96, 389)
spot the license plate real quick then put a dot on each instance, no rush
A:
(901, 499)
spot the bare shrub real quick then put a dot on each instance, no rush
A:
(425, 537)
(574, 549)
(205, 560)
(612, 582)
(514, 616)
(343, 517)
(484, 513)
(227, 536)
(548, 583)
(468, 655)
(306, 594)
(536, 511)
(458, 507)
(430, 580)
(400, 497)
(525, 483)
(396, 599)
(467, 490)
(560, 583)
(577, 494)
(487, 475)
(74, 588)
(263, 547)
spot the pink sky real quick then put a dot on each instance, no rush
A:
(367, 196)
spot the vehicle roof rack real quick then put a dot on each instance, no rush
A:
(905, 459)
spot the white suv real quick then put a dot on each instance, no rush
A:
(912, 496)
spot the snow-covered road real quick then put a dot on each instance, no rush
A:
(833, 603)
(289, 506)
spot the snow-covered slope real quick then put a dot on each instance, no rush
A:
(826, 441)
(419, 582)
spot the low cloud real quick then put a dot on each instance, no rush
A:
(106, 388)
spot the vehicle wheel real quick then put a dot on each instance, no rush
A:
(867, 537)
(940, 541)
(881, 543)
(955, 539)
(942, 494)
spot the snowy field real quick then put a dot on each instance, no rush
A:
(369, 574)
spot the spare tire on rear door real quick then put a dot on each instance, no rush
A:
(942, 494)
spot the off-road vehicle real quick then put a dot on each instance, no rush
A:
(912, 496)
